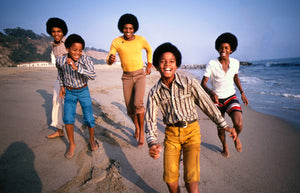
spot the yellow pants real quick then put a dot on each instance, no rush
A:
(185, 139)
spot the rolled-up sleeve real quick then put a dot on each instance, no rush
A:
(87, 67)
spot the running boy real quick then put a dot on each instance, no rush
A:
(75, 69)
(176, 96)
(223, 72)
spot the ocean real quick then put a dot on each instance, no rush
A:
(272, 87)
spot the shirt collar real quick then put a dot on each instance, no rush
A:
(62, 41)
(220, 65)
(176, 81)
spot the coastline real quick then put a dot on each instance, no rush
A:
(268, 163)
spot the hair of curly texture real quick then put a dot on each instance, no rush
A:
(56, 22)
(128, 19)
(163, 48)
(74, 38)
(227, 38)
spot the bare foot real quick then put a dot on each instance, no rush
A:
(225, 152)
(94, 145)
(238, 144)
(70, 152)
(57, 133)
(141, 143)
(136, 134)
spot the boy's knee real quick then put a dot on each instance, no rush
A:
(139, 108)
(238, 126)
(89, 121)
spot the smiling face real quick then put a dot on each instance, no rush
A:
(128, 31)
(57, 34)
(225, 50)
(167, 67)
(75, 51)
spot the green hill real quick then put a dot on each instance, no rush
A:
(18, 45)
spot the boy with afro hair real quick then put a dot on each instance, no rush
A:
(75, 70)
(129, 47)
(58, 29)
(176, 96)
(223, 72)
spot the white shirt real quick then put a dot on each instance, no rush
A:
(222, 82)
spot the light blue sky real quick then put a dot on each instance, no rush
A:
(266, 29)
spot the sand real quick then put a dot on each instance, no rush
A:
(29, 162)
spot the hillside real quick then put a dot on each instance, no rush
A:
(20, 46)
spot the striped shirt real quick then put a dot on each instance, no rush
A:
(178, 104)
(75, 79)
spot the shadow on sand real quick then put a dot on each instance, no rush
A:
(128, 171)
(17, 172)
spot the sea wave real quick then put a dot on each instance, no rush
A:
(250, 80)
(278, 62)
(280, 94)
(291, 95)
(275, 64)
(291, 109)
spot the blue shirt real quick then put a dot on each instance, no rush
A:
(75, 78)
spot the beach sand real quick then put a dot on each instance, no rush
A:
(29, 162)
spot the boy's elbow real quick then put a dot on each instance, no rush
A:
(203, 84)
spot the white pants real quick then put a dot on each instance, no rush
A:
(57, 109)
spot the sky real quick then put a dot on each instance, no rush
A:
(266, 29)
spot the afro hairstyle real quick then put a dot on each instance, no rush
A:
(227, 38)
(56, 22)
(74, 38)
(128, 19)
(163, 48)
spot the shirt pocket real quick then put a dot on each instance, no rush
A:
(185, 96)
(185, 99)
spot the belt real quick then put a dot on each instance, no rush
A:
(182, 124)
(72, 88)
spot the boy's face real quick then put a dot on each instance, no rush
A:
(57, 34)
(167, 66)
(128, 31)
(75, 51)
(225, 50)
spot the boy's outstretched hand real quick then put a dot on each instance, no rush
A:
(232, 131)
(154, 151)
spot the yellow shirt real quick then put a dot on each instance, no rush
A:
(130, 52)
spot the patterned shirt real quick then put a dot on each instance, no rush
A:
(178, 104)
(59, 49)
(75, 78)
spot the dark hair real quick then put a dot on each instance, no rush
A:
(227, 38)
(74, 38)
(163, 48)
(128, 19)
(56, 22)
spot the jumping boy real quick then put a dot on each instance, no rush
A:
(75, 69)
(223, 72)
(176, 96)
